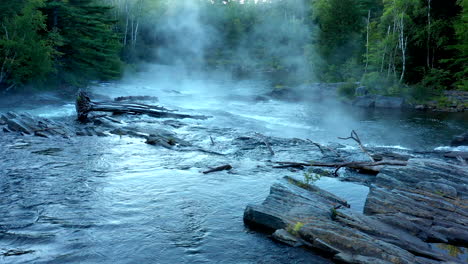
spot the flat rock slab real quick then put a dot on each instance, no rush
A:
(407, 209)
(460, 140)
(27, 124)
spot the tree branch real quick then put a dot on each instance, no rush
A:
(354, 136)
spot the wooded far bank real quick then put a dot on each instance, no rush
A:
(414, 48)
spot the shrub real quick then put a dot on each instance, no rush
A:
(310, 177)
(437, 80)
(294, 230)
(347, 90)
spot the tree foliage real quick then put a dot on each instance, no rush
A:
(69, 41)
(390, 45)
(26, 52)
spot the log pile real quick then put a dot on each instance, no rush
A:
(84, 106)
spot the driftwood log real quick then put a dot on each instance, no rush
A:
(368, 167)
(364, 166)
(220, 168)
(84, 106)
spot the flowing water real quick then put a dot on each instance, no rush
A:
(119, 200)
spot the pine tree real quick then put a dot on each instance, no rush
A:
(460, 60)
(26, 52)
(90, 48)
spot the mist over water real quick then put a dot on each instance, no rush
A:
(181, 78)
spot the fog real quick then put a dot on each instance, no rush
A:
(182, 77)
(207, 62)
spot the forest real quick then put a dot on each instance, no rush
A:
(414, 48)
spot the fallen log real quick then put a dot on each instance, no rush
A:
(84, 106)
(220, 168)
(136, 98)
(363, 166)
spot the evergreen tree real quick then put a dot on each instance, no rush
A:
(460, 60)
(26, 51)
(90, 48)
(339, 41)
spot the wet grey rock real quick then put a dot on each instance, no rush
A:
(367, 101)
(17, 125)
(432, 191)
(27, 124)
(457, 154)
(15, 252)
(80, 133)
(285, 237)
(389, 102)
(174, 123)
(460, 140)
(390, 156)
(160, 141)
(440, 188)
(407, 207)
(286, 94)
(361, 91)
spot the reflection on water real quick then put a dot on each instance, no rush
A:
(104, 200)
(355, 194)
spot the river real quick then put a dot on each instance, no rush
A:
(118, 200)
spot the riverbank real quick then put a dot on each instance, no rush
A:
(450, 101)
(360, 96)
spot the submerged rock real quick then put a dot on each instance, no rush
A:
(460, 140)
(406, 209)
(361, 91)
(379, 101)
(389, 102)
(364, 101)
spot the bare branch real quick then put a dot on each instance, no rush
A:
(266, 143)
(354, 136)
(357, 165)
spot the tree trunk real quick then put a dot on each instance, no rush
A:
(367, 42)
(126, 23)
(402, 43)
(428, 59)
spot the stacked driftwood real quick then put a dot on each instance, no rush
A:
(84, 106)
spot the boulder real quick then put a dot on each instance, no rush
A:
(457, 154)
(407, 209)
(431, 192)
(361, 91)
(389, 102)
(460, 140)
(364, 101)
